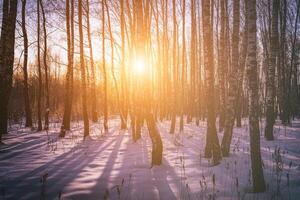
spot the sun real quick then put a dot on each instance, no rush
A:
(139, 65)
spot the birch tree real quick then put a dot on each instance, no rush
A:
(92, 66)
(105, 123)
(47, 105)
(83, 72)
(232, 94)
(69, 76)
(40, 87)
(270, 80)
(255, 154)
(212, 146)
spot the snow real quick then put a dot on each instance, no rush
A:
(39, 165)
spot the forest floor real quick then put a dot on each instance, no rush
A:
(39, 165)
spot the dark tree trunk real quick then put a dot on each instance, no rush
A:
(291, 79)
(28, 114)
(283, 61)
(39, 109)
(69, 76)
(46, 69)
(7, 43)
(83, 75)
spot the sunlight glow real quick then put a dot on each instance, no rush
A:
(139, 65)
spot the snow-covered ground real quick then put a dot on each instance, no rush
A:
(38, 165)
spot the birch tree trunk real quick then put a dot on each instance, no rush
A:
(222, 65)
(192, 105)
(146, 113)
(183, 66)
(123, 122)
(232, 94)
(83, 71)
(256, 162)
(69, 76)
(291, 76)
(105, 123)
(200, 64)
(46, 125)
(283, 61)
(174, 59)
(122, 100)
(212, 147)
(93, 77)
(39, 69)
(242, 64)
(270, 80)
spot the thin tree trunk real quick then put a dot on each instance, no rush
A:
(93, 77)
(39, 69)
(46, 126)
(130, 100)
(240, 97)
(123, 110)
(283, 62)
(163, 109)
(223, 64)
(28, 113)
(200, 62)
(193, 47)
(104, 68)
(174, 58)
(69, 76)
(181, 127)
(83, 70)
(123, 122)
